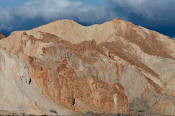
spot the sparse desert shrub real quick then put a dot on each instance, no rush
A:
(90, 112)
(140, 110)
(53, 111)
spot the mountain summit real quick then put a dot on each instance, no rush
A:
(66, 68)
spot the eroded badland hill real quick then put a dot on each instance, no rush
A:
(63, 67)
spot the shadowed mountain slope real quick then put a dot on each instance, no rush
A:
(2, 36)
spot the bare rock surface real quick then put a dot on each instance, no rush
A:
(65, 68)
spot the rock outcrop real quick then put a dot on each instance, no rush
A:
(66, 68)
(2, 35)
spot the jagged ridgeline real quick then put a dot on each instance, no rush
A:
(65, 68)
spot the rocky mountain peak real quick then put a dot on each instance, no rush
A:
(66, 68)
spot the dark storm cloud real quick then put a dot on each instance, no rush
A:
(38, 12)
(158, 15)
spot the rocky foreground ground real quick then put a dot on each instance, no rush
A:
(68, 69)
(134, 114)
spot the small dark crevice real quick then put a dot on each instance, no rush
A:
(41, 68)
(44, 50)
(21, 78)
(110, 55)
(30, 80)
(73, 101)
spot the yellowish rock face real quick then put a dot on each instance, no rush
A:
(66, 68)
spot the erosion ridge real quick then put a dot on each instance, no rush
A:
(115, 67)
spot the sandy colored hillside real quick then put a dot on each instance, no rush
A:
(66, 68)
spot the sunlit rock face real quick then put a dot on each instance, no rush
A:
(65, 68)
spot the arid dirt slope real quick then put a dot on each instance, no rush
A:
(63, 67)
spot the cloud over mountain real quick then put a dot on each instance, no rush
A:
(156, 10)
(43, 11)
(157, 14)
